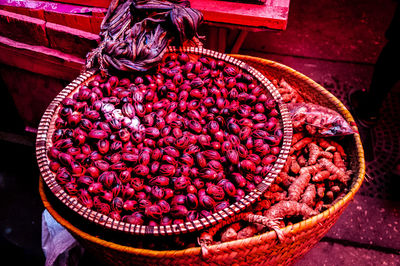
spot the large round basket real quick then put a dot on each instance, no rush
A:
(47, 127)
(261, 249)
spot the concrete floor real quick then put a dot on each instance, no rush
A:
(336, 43)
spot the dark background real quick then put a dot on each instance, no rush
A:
(336, 43)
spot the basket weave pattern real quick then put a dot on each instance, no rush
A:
(261, 249)
(46, 128)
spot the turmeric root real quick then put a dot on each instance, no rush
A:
(342, 176)
(275, 196)
(298, 185)
(335, 189)
(300, 144)
(339, 148)
(294, 165)
(288, 208)
(286, 166)
(297, 137)
(324, 144)
(315, 153)
(262, 205)
(321, 176)
(285, 179)
(309, 195)
(246, 232)
(302, 161)
(229, 234)
(320, 190)
(272, 217)
(338, 161)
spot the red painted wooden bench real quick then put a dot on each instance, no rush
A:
(222, 15)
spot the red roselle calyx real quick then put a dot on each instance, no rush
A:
(166, 147)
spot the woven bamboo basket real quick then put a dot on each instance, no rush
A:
(299, 238)
(47, 127)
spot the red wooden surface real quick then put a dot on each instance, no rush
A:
(272, 15)
(39, 59)
(86, 18)
(34, 75)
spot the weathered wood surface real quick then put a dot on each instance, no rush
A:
(34, 31)
(34, 75)
(82, 17)
(39, 59)
(272, 15)
(87, 15)
(23, 28)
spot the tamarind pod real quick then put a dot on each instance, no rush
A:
(284, 86)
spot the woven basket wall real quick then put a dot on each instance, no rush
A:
(262, 249)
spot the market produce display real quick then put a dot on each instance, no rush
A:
(167, 147)
(278, 245)
(170, 150)
(314, 176)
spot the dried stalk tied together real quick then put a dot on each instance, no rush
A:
(135, 33)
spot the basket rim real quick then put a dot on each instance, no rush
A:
(46, 128)
(268, 236)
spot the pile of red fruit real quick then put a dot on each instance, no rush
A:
(166, 147)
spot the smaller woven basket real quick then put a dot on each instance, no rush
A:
(262, 249)
(47, 127)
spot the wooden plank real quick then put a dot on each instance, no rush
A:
(69, 40)
(222, 34)
(80, 17)
(239, 41)
(40, 60)
(270, 15)
(23, 28)
(212, 38)
(96, 3)
(89, 23)
(38, 32)
(30, 12)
